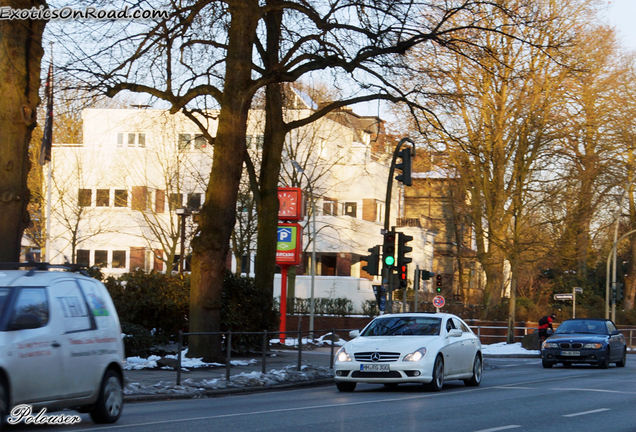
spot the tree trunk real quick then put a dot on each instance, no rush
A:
(513, 301)
(273, 143)
(19, 83)
(218, 214)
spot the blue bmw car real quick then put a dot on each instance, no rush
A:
(585, 340)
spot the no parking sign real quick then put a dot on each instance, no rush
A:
(438, 301)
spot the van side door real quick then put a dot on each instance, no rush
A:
(81, 375)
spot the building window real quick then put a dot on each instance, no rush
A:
(351, 209)
(184, 141)
(329, 207)
(83, 256)
(379, 212)
(140, 198)
(194, 200)
(102, 197)
(255, 140)
(85, 197)
(132, 139)
(175, 201)
(119, 259)
(101, 258)
(200, 142)
(121, 198)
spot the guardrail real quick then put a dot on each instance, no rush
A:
(228, 346)
(486, 335)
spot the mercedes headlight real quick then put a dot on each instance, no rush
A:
(415, 355)
(342, 355)
(550, 345)
(593, 346)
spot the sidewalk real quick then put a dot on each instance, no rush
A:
(245, 376)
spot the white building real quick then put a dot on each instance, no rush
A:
(114, 196)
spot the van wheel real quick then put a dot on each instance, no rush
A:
(3, 402)
(111, 399)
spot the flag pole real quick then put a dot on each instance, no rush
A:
(47, 246)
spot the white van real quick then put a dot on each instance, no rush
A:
(60, 343)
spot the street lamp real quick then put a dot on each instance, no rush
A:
(313, 247)
(614, 251)
(183, 212)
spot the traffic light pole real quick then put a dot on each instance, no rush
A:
(387, 203)
(387, 277)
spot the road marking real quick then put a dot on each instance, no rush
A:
(592, 390)
(514, 388)
(500, 428)
(587, 412)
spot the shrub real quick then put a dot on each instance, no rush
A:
(246, 308)
(152, 301)
(370, 308)
(138, 341)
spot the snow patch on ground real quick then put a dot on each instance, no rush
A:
(502, 348)
(196, 388)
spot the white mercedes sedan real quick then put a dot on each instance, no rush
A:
(427, 348)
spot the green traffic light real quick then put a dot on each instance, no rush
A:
(389, 260)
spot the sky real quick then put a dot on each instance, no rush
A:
(621, 14)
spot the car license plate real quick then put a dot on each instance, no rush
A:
(374, 368)
(571, 353)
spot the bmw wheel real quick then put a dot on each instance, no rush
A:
(546, 364)
(624, 359)
(438, 375)
(111, 398)
(478, 368)
(605, 363)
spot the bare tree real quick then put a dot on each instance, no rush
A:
(183, 60)
(20, 57)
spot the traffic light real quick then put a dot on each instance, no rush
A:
(373, 261)
(403, 271)
(426, 275)
(438, 283)
(403, 249)
(405, 167)
(388, 249)
(618, 292)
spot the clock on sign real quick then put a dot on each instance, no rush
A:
(290, 205)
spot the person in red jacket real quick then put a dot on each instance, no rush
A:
(545, 323)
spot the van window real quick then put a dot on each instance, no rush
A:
(73, 305)
(31, 301)
(4, 295)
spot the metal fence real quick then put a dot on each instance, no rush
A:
(266, 335)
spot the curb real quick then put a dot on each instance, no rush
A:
(228, 391)
(512, 356)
